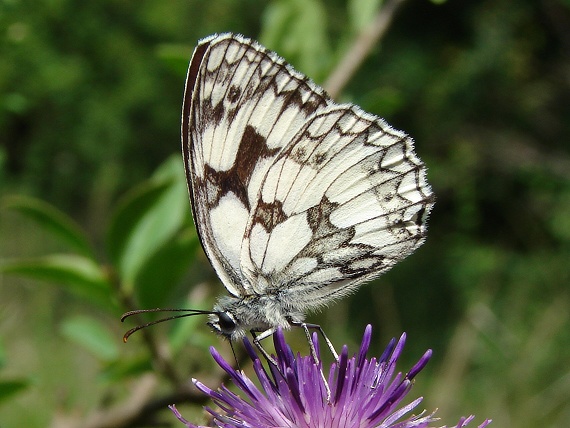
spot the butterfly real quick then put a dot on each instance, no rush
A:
(297, 200)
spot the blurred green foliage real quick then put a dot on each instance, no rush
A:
(90, 96)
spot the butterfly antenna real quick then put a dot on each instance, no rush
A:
(188, 313)
(306, 326)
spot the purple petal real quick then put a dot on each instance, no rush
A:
(366, 338)
(316, 347)
(341, 377)
(387, 351)
(250, 349)
(419, 365)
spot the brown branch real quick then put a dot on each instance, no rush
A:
(360, 49)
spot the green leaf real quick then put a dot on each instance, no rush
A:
(147, 219)
(51, 219)
(77, 274)
(92, 335)
(163, 270)
(8, 388)
(131, 210)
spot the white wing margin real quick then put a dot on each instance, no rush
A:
(242, 104)
(341, 204)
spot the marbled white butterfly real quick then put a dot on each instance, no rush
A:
(297, 200)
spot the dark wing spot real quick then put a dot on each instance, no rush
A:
(299, 154)
(362, 265)
(234, 94)
(211, 114)
(252, 148)
(318, 217)
(320, 158)
(269, 215)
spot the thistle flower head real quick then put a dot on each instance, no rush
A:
(359, 392)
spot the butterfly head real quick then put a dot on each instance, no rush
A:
(225, 324)
(229, 318)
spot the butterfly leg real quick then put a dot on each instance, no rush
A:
(306, 326)
(257, 338)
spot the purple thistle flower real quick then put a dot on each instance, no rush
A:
(363, 393)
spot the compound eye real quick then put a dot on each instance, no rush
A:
(226, 323)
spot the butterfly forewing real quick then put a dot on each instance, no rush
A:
(242, 105)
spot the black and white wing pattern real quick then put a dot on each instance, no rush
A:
(242, 104)
(293, 196)
(343, 202)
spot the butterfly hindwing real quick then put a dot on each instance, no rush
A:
(342, 203)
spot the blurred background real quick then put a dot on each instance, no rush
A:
(95, 220)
